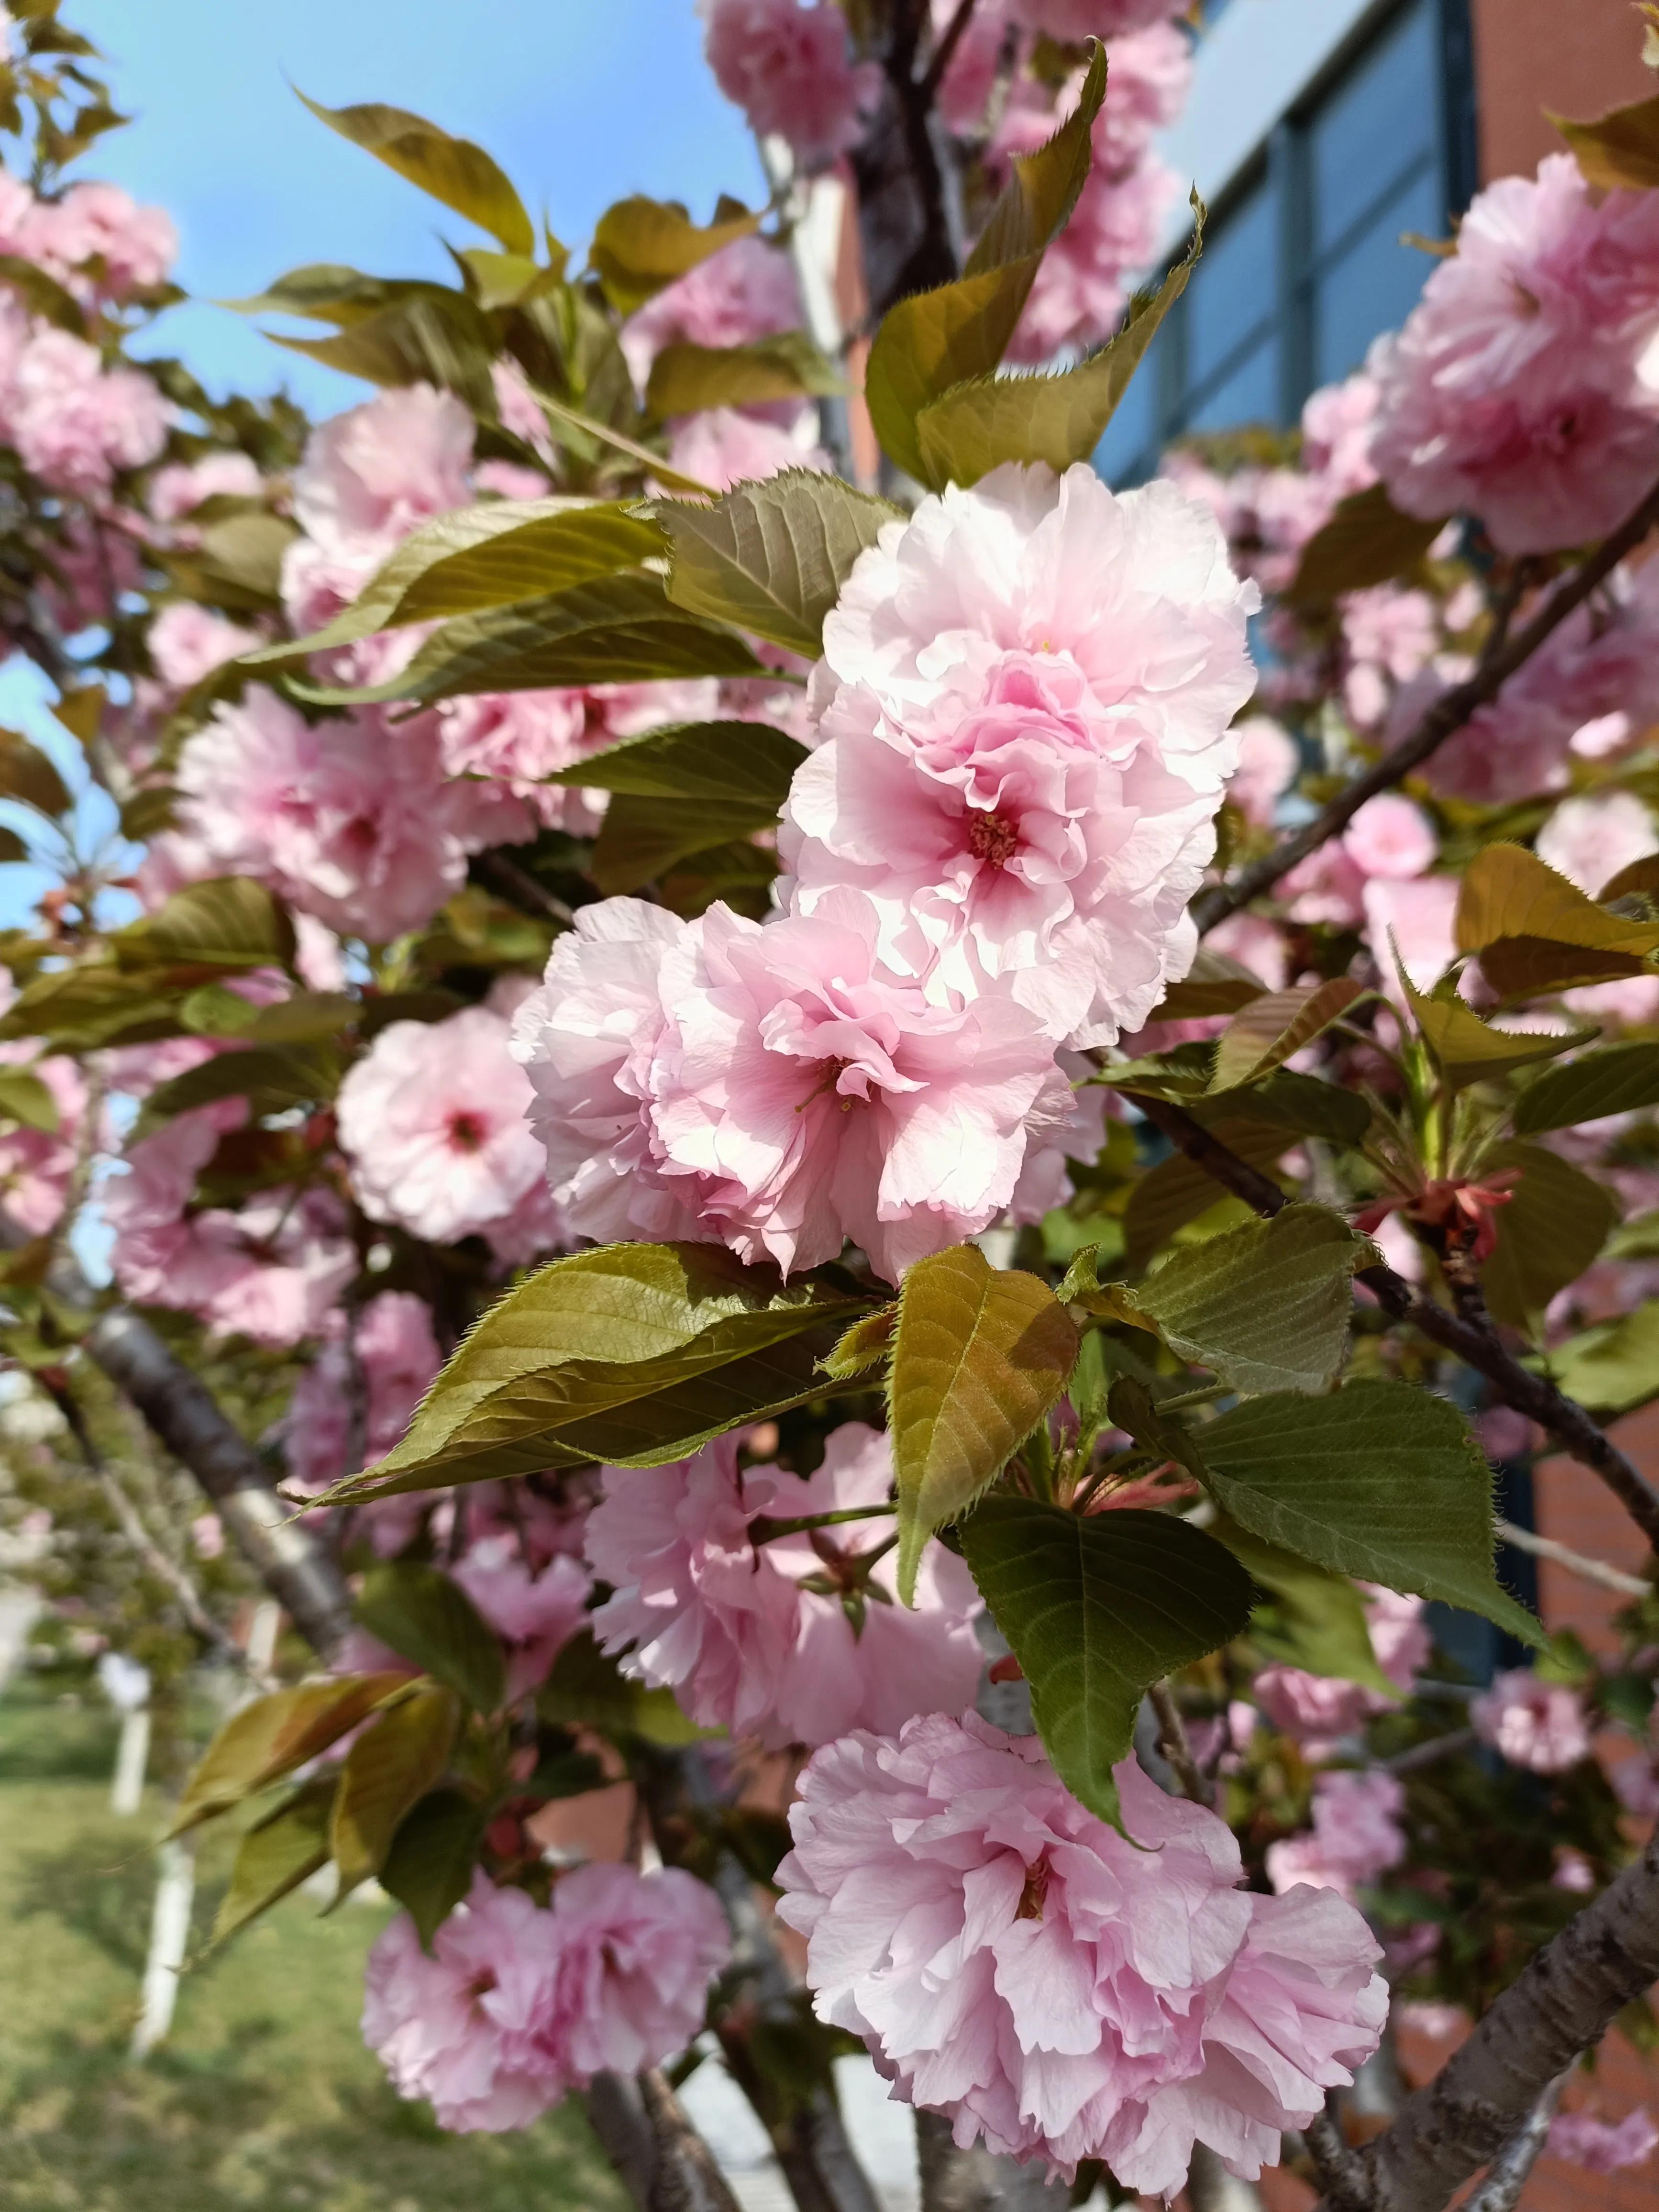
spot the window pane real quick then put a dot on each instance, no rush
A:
(1128, 452)
(1235, 288)
(1249, 393)
(1380, 121)
(1374, 285)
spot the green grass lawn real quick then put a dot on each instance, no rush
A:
(264, 2099)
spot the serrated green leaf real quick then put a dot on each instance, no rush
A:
(1509, 892)
(1467, 1050)
(1615, 1366)
(388, 1770)
(270, 1080)
(1553, 1226)
(772, 557)
(1272, 1028)
(429, 1869)
(432, 1622)
(685, 379)
(1311, 1619)
(432, 336)
(270, 1737)
(27, 774)
(1620, 1078)
(1057, 418)
(748, 762)
(590, 431)
(618, 629)
(1096, 1610)
(1382, 1480)
(587, 1689)
(231, 922)
(24, 1097)
(1266, 1306)
(628, 1352)
(1367, 541)
(1619, 151)
(640, 244)
(497, 554)
(453, 170)
(979, 1356)
(867, 1344)
(277, 1855)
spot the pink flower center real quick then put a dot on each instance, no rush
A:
(993, 838)
(466, 1133)
(1035, 1895)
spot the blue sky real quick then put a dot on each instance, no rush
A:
(581, 101)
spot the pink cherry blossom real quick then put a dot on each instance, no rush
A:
(136, 245)
(432, 1122)
(518, 737)
(1589, 839)
(372, 474)
(1400, 1635)
(395, 1354)
(728, 1625)
(534, 1615)
(1073, 21)
(745, 291)
(187, 642)
(803, 1091)
(270, 1271)
(37, 1166)
(1391, 837)
(348, 818)
(1536, 1724)
(1021, 768)
(1336, 434)
(180, 487)
(636, 1953)
(1603, 2146)
(723, 446)
(1013, 1962)
(1512, 390)
(1084, 281)
(965, 91)
(1356, 1835)
(788, 68)
(1318, 1710)
(1416, 918)
(75, 423)
(1267, 762)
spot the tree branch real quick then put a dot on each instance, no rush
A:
(904, 230)
(1342, 2174)
(944, 52)
(1449, 714)
(1501, 2190)
(1478, 1348)
(1590, 1570)
(1172, 1744)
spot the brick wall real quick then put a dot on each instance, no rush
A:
(1577, 57)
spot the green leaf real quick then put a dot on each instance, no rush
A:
(270, 1737)
(772, 557)
(44, 295)
(979, 1356)
(24, 1097)
(1509, 892)
(12, 847)
(1177, 1191)
(498, 555)
(1274, 1028)
(1467, 1050)
(230, 922)
(429, 1869)
(685, 379)
(453, 170)
(277, 1855)
(1621, 1078)
(1213, 985)
(934, 340)
(1615, 1366)
(271, 1081)
(388, 1770)
(867, 1344)
(1382, 1480)
(624, 1352)
(83, 1009)
(1367, 541)
(748, 764)
(617, 629)
(432, 1623)
(1267, 1305)
(27, 774)
(1311, 1619)
(1553, 1226)
(587, 1689)
(1098, 1609)
(641, 244)
(591, 430)
(640, 839)
(1620, 149)
(1059, 417)
(432, 336)
(1301, 1103)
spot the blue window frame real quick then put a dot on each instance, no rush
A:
(1305, 263)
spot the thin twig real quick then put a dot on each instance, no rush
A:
(1173, 1742)
(1501, 2190)
(522, 888)
(1531, 1394)
(1430, 1753)
(1443, 719)
(1590, 1570)
(944, 52)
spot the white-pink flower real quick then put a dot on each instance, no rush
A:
(1356, 1835)
(432, 1120)
(788, 67)
(395, 1354)
(535, 1614)
(1267, 764)
(187, 642)
(75, 423)
(1590, 839)
(182, 486)
(636, 1953)
(723, 446)
(372, 474)
(1013, 1962)
(1025, 695)
(727, 1624)
(1603, 2146)
(1392, 837)
(37, 1166)
(745, 291)
(1536, 1724)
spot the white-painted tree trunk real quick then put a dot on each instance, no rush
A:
(126, 1789)
(169, 1939)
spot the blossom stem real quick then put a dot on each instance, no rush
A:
(763, 1530)
(1478, 1347)
(1172, 1744)
(1576, 1563)
(1427, 1754)
(1450, 713)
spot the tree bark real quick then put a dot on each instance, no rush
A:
(977, 2180)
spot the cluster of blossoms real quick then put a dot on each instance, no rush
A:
(518, 2003)
(1022, 723)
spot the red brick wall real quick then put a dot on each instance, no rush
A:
(1577, 57)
